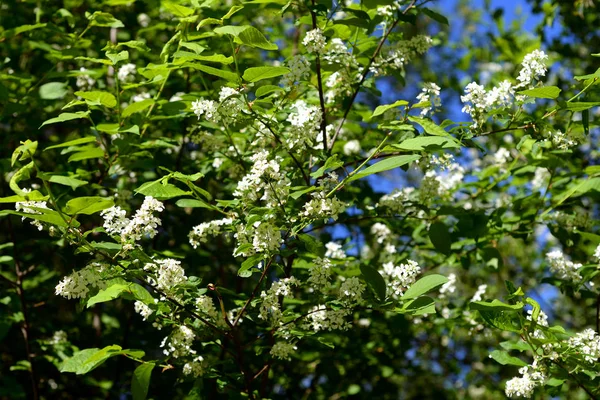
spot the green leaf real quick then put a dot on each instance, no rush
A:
(134, 44)
(429, 126)
(247, 35)
(105, 19)
(248, 263)
(311, 243)
(259, 73)
(24, 151)
(375, 281)
(141, 381)
(192, 203)
(579, 105)
(160, 190)
(383, 108)
(67, 181)
(87, 360)
(502, 357)
(595, 75)
(435, 16)
(419, 306)
(332, 163)
(83, 140)
(88, 205)
(424, 285)
(177, 10)
(136, 107)
(110, 293)
(115, 57)
(495, 305)
(545, 92)
(424, 142)
(439, 234)
(229, 76)
(385, 165)
(266, 89)
(53, 90)
(232, 11)
(98, 98)
(49, 216)
(86, 153)
(67, 117)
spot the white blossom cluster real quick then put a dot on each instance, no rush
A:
(319, 274)
(389, 11)
(478, 296)
(195, 368)
(397, 201)
(542, 320)
(265, 181)
(478, 101)
(28, 208)
(304, 125)
(339, 84)
(260, 237)
(563, 268)
(399, 278)
(587, 344)
(179, 343)
(533, 67)
(143, 309)
(351, 291)
(227, 109)
(334, 250)
(269, 306)
(562, 141)
(208, 109)
(59, 337)
(430, 93)
(206, 306)
(299, 71)
(448, 287)
(352, 147)
(381, 232)
(144, 20)
(314, 41)
(441, 183)
(78, 284)
(140, 97)
(597, 252)
(283, 350)
(322, 319)
(323, 207)
(168, 273)
(540, 179)
(404, 52)
(524, 385)
(201, 233)
(84, 80)
(143, 223)
(127, 72)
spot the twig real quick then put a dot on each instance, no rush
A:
(313, 16)
(262, 277)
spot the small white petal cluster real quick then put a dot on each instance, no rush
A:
(58, 337)
(264, 237)
(320, 272)
(334, 250)
(351, 291)
(127, 72)
(143, 223)
(78, 284)
(206, 306)
(283, 350)
(563, 268)
(265, 181)
(269, 305)
(533, 67)
(322, 319)
(352, 147)
(140, 97)
(597, 253)
(201, 233)
(479, 293)
(524, 385)
(399, 278)
(169, 273)
(381, 232)
(501, 156)
(389, 11)
(230, 104)
(340, 84)
(28, 208)
(430, 93)
(304, 125)
(396, 201)
(540, 179)
(322, 207)
(441, 183)
(562, 141)
(206, 108)
(179, 343)
(478, 102)
(84, 81)
(143, 309)
(115, 220)
(587, 344)
(299, 71)
(448, 287)
(404, 52)
(314, 41)
(144, 20)
(542, 320)
(195, 368)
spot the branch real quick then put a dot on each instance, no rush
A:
(313, 15)
(262, 277)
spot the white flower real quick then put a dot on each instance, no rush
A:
(597, 252)
(143, 223)
(430, 93)
(352, 147)
(587, 344)
(381, 232)
(126, 72)
(264, 237)
(282, 350)
(142, 309)
(140, 97)
(320, 319)
(299, 71)
(320, 272)
(448, 287)
(168, 272)
(562, 267)
(208, 108)
(269, 306)
(322, 207)
(561, 140)
(195, 368)
(314, 41)
(501, 156)
(533, 67)
(59, 337)
(351, 291)
(78, 284)
(479, 293)
(28, 208)
(143, 20)
(540, 178)
(265, 181)
(179, 343)
(304, 125)
(334, 250)
(399, 278)
(84, 80)
(206, 306)
(201, 233)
